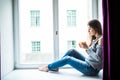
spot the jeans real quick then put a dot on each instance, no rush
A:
(76, 60)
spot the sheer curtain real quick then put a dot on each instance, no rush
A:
(106, 40)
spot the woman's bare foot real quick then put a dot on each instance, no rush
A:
(44, 68)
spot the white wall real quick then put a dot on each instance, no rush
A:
(6, 29)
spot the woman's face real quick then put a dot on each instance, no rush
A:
(91, 31)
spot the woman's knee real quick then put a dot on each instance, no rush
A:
(71, 49)
(67, 57)
(70, 52)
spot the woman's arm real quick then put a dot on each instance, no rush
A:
(90, 39)
(86, 45)
(96, 54)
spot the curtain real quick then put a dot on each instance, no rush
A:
(106, 40)
(111, 40)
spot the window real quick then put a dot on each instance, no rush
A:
(35, 46)
(71, 17)
(71, 44)
(63, 23)
(35, 17)
(34, 43)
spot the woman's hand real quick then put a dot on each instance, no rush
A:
(90, 39)
(100, 41)
(83, 45)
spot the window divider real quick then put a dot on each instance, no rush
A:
(56, 29)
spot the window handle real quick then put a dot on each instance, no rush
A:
(56, 32)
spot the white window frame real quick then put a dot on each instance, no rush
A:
(17, 64)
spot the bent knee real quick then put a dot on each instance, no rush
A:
(72, 50)
(67, 57)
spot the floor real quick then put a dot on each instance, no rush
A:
(63, 74)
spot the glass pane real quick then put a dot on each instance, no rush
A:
(36, 31)
(73, 18)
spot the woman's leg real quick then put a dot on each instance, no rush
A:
(71, 52)
(78, 64)
(74, 53)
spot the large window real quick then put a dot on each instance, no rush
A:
(35, 32)
(73, 18)
(46, 29)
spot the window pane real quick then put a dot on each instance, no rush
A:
(71, 44)
(35, 18)
(73, 18)
(35, 31)
(36, 46)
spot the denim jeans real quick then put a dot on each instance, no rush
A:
(76, 60)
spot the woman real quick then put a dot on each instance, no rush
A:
(90, 65)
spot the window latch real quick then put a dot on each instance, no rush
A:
(56, 32)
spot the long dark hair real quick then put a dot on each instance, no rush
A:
(96, 25)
